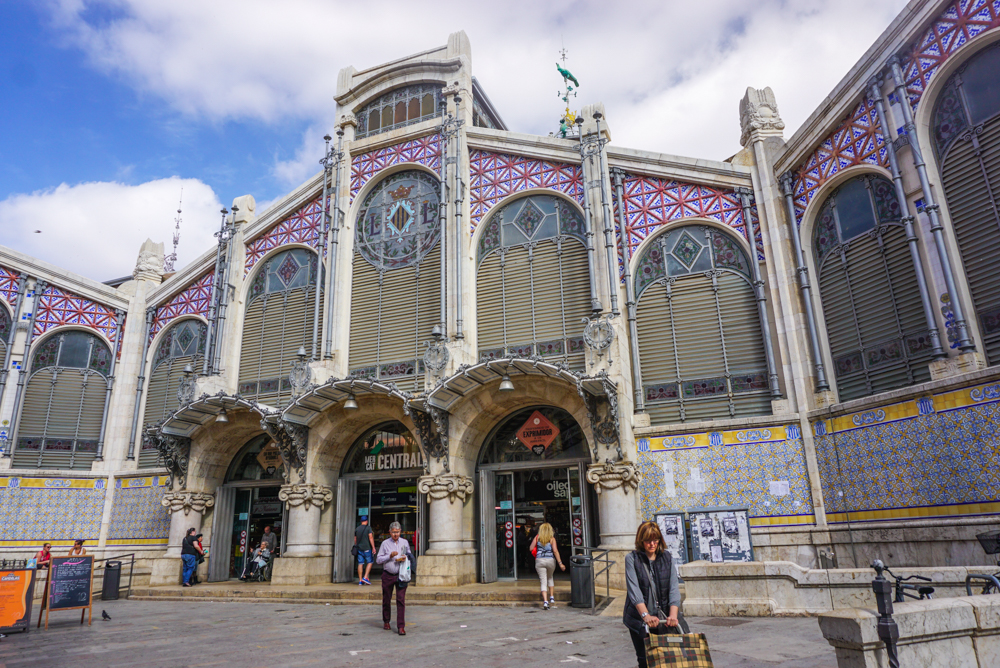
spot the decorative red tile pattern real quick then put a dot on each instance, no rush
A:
(496, 175)
(425, 151)
(650, 202)
(195, 299)
(57, 307)
(8, 286)
(302, 227)
(856, 141)
(957, 24)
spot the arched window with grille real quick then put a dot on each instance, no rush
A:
(875, 322)
(966, 133)
(183, 344)
(701, 348)
(63, 408)
(279, 320)
(396, 292)
(399, 108)
(532, 285)
(6, 327)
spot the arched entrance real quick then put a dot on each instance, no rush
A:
(531, 470)
(378, 479)
(245, 503)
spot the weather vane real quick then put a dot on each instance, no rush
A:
(168, 261)
(570, 84)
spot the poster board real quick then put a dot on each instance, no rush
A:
(70, 587)
(17, 588)
(721, 535)
(674, 535)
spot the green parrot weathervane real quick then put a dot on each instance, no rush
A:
(566, 122)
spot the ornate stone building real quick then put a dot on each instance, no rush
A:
(471, 330)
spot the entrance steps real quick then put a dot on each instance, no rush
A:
(522, 593)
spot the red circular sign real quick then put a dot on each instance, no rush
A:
(510, 534)
(243, 534)
(510, 543)
(508, 526)
(578, 541)
(576, 521)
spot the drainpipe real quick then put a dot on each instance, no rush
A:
(119, 319)
(630, 308)
(964, 343)
(459, 201)
(595, 303)
(875, 92)
(334, 246)
(142, 382)
(13, 333)
(224, 285)
(40, 287)
(209, 338)
(325, 230)
(445, 118)
(609, 244)
(758, 287)
(803, 272)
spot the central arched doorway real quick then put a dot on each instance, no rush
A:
(378, 480)
(532, 469)
(245, 503)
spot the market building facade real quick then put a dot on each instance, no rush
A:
(470, 330)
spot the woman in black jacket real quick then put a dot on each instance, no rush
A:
(653, 595)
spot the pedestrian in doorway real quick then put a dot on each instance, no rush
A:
(391, 554)
(651, 583)
(43, 558)
(78, 550)
(546, 555)
(200, 559)
(270, 538)
(189, 555)
(364, 548)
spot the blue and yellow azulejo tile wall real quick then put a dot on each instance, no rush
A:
(57, 510)
(137, 516)
(763, 468)
(933, 456)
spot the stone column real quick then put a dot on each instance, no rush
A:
(305, 505)
(447, 561)
(617, 487)
(186, 511)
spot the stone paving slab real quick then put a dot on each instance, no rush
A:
(154, 634)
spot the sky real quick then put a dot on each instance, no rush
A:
(114, 108)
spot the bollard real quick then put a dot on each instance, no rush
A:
(888, 632)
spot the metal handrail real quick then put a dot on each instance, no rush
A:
(596, 555)
(131, 567)
(977, 576)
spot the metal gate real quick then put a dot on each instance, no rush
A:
(222, 538)
(343, 539)
(488, 520)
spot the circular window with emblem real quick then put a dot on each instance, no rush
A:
(398, 223)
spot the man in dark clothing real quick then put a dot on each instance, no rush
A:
(189, 555)
(364, 540)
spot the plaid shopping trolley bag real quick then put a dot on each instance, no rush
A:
(678, 651)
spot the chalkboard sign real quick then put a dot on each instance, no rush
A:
(70, 586)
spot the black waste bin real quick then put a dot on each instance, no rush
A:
(581, 581)
(112, 580)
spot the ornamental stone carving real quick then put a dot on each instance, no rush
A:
(149, 266)
(614, 475)
(759, 115)
(447, 485)
(305, 494)
(244, 209)
(188, 501)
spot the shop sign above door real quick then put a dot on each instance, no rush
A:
(537, 433)
(269, 458)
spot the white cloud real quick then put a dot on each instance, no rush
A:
(96, 229)
(671, 74)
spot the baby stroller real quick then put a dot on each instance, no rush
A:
(255, 571)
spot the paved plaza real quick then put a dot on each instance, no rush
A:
(167, 633)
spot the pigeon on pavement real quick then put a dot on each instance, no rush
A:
(105, 616)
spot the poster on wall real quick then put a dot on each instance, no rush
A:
(672, 527)
(721, 535)
(537, 433)
(17, 587)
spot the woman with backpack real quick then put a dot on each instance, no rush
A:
(654, 597)
(543, 546)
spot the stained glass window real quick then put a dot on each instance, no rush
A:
(185, 339)
(528, 219)
(399, 220)
(399, 108)
(686, 250)
(73, 350)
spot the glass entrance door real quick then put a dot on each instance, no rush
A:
(503, 497)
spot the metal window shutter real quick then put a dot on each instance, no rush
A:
(576, 286)
(841, 331)
(696, 326)
(93, 407)
(517, 290)
(250, 346)
(975, 225)
(741, 324)
(489, 303)
(656, 350)
(872, 296)
(161, 394)
(364, 314)
(35, 405)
